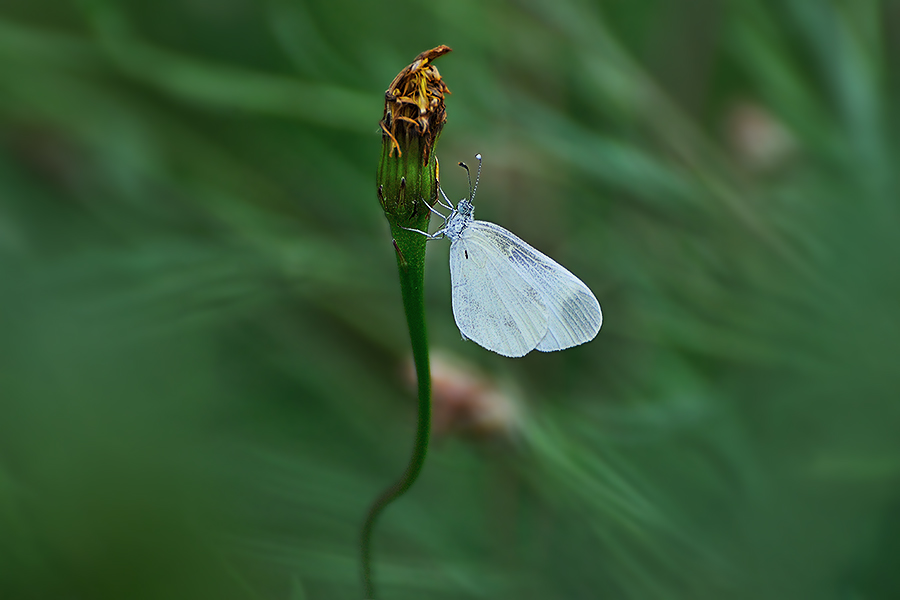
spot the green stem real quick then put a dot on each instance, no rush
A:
(410, 247)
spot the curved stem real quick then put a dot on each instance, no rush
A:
(410, 247)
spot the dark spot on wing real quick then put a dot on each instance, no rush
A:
(466, 252)
(502, 243)
(523, 258)
(516, 255)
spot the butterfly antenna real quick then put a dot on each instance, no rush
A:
(469, 177)
(472, 188)
(477, 179)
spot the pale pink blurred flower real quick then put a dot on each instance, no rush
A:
(465, 401)
(757, 139)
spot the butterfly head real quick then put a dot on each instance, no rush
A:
(465, 208)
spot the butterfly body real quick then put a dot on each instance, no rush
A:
(507, 296)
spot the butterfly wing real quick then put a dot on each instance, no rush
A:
(494, 304)
(573, 313)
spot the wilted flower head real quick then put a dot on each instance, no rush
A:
(414, 114)
(414, 102)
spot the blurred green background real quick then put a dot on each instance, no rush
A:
(202, 348)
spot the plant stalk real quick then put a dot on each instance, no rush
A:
(412, 272)
(407, 183)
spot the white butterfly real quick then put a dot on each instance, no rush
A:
(507, 296)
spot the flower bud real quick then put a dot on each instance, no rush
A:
(414, 114)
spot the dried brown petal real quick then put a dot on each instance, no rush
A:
(414, 103)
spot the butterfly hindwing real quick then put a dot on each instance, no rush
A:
(494, 303)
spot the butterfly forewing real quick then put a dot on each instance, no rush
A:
(572, 311)
(494, 303)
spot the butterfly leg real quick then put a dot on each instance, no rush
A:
(431, 236)
(432, 209)
(440, 232)
(448, 204)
